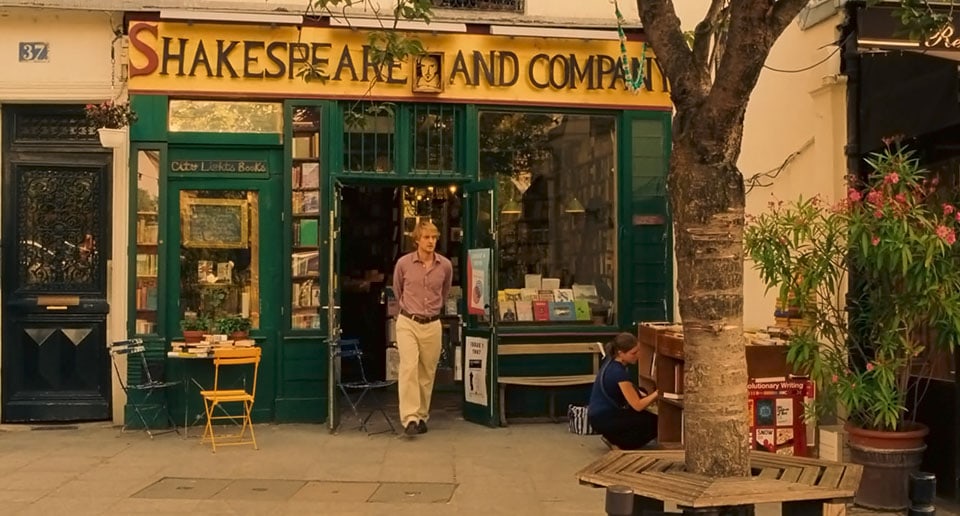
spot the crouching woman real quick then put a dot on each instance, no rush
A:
(617, 405)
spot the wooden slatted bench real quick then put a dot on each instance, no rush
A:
(594, 348)
(804, 487)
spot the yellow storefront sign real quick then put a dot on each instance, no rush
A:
(209, 60)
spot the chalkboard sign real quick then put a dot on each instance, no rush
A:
(219, 223)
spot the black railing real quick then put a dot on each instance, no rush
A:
(481, 5)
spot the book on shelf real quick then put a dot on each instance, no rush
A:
(306, 233)
(305, 321)
(563, 294)
(306, 146)
(582, 308)
(532, 281)
(550, 284)
(305, 263)
(528, 294)
(524, 310)
(147, 264)
(541, 310)
(562, 311)
(310, 176)
(148, 231)
(671, 396)
(586, 292)
(508, 310)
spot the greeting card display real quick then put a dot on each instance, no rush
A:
(776, 416)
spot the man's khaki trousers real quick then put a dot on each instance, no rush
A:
(419, 347)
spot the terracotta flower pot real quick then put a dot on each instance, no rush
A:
(887, 458)
(911, 437)
(239, 335)
(192, 336)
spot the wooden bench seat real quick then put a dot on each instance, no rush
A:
(594, 348)
(804, 486)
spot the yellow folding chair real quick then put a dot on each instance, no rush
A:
(218, 397)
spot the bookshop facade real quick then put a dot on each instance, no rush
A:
(261, 196)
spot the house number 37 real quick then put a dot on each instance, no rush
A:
(34, 52)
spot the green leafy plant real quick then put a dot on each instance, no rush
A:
(110, 115)
(897, 238)
(199, 323)
(232, 324)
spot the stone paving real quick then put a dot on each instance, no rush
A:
(456, 468)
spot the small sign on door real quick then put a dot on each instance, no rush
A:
(34, 52)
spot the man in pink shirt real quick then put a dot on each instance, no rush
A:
(421, 282)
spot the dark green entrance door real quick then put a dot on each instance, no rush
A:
(227, 240)
(480, 294)
(56, 238)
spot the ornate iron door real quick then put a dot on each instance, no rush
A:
(55, 248)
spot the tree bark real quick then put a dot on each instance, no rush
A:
(707, 197)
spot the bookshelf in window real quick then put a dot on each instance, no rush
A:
(305, 220)
(147, 272)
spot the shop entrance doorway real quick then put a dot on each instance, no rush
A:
(376, 225)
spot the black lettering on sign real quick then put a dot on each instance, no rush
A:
(201, 58)
(346, 62)
(460, 67)
(250, 61)
(297, 55)
(505, 57)
(578, 74)
(278, 61)
(481, 66)
(559, 72)
(532, 75)
(223, 58)
(173, 56)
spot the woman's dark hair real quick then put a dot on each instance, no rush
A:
(620, 344)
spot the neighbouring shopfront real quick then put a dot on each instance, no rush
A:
(59, 283)
(927, 115)
(257, 193)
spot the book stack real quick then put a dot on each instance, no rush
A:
(207, 347)
(542, 299)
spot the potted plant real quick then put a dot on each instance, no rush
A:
(111, 118)
(895, 237)
(194, 328)
(234, 325)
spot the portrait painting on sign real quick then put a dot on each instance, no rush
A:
(428, 69)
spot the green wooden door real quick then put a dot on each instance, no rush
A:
(480, 296)
(225, 257)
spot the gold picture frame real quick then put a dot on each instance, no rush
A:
(428, 73)
(214, 223)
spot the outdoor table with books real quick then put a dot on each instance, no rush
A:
(187, 356)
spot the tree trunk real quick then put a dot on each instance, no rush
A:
(708, 209)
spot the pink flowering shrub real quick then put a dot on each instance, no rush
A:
(110, 115)
(895, 241)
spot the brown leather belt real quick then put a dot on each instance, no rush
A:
(421, 319)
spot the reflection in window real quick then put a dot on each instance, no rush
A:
(219, 255)
(556, 181)
(147, 238)
(213, 116)
(368, 137)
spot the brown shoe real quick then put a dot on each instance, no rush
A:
(422, 427)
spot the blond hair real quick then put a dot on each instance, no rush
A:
(425, 225)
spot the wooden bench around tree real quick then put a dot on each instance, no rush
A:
(594, 348)
(804, 487)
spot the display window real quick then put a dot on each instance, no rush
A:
(555, 176)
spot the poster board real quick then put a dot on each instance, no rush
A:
(475, 376)
(478, 281)
(777, 416)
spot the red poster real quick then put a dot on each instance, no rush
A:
(776, 416)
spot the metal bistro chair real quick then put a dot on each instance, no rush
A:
(143, 391)
(356, 389)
